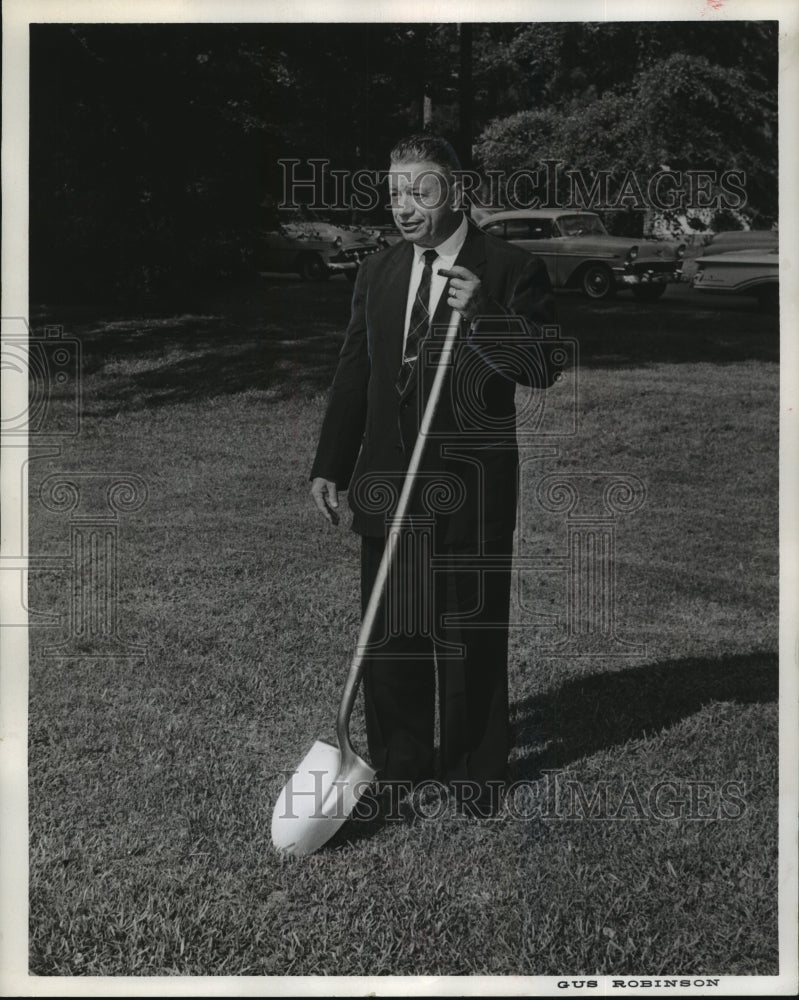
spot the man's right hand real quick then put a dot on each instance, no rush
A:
(325, 497)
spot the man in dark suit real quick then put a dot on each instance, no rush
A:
(445, 614)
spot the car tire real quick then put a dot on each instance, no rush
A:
(597, 282)
(311, 267)
(649, 293)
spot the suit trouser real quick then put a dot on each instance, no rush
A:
(447, 620)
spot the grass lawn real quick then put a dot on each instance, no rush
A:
(152, 780)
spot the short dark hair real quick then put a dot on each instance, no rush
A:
(425, 147)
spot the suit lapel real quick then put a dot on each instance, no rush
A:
(473, 251)
(389, 296)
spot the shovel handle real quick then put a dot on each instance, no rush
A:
(367, 624)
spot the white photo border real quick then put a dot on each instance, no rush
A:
(17, 16)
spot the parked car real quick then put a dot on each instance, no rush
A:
(744, 239)
(742, 272)
(313, 248)
(580, 253)
(386, 234)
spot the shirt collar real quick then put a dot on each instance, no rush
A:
(451, 246)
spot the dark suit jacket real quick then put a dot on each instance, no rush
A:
(468, 478)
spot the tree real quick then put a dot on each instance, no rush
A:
(655, 96)
(152, 146)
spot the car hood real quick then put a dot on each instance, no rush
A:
(762, 257)
(750, 239)
(620, 245)
(324, 231)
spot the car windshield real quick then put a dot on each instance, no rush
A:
(581, 225)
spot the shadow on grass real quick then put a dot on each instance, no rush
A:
(683, 327)
(284, 341)
(600, 711)
(283, 337)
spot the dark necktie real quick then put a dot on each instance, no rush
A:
(420, 319)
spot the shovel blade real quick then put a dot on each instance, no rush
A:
(317, 799)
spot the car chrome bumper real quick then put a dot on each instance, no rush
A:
(349, 260)
(650, 276)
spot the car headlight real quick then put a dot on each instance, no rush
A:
(337, 242)
(632, 253)
(680, 251)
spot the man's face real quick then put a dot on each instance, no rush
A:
(423, 202)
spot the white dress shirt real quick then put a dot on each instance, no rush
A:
(447, 253)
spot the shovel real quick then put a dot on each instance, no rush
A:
(329, 781)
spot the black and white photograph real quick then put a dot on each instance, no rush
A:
(398, 569)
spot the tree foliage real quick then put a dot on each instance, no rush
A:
(152, 146)
(640, 97)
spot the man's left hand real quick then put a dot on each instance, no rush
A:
(465, 292)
